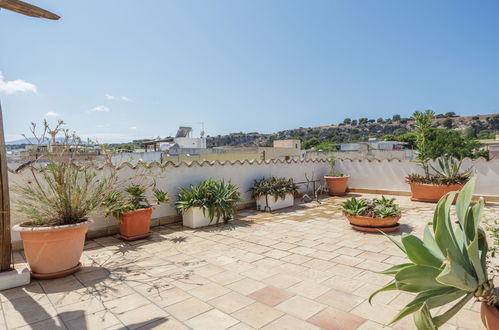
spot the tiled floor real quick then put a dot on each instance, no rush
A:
(302, 268)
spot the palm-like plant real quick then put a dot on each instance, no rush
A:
(217, 198)
(277, 187)
(446, 265)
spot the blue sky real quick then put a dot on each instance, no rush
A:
(118, 70)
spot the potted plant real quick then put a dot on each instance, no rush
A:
(57, 197)
(448, 177)
(336, 181)
(431, 187)
(133, 210)
(449, 265)
(372, 215)
(274, 193)
(208, 201)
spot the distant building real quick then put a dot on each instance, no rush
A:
(492, 145)
(182, 140)
(296, 144)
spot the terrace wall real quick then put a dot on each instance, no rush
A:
(386, 176)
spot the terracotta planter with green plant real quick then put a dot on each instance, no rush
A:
(207, 203)
(336, 181)
(449, 265)
(430, 187)
(56, 198)
(274, 193)
(374, 215)
(133, 210)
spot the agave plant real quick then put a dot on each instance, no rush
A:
(447, 265)
(449, 168)
(217, 198)
(354, 206)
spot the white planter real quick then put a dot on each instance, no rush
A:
(195, 218)
(281, 203)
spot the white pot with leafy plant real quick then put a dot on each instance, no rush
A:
(449, 265)
(274, 193)
(430, 187)
(207, 203)
(133, 209)
(378, 214)
(336, 181)
(57, 199)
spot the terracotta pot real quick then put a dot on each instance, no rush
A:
(370, 224)
(490, 316)
(337, 185)
(136, 224)
(431, 193)
(53, 251)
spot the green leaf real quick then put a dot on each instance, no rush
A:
(474, 256)
(423, 319)
(398, 244)
(464, 200)
(430, 242)
(394, 269)
(418, 278)
(433, 299)
(419, 253)
(390, 287)
(455, 275)
(443, 318)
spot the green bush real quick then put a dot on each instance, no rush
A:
(277, 187)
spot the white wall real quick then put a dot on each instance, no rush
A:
(169, 177)
(390, 174)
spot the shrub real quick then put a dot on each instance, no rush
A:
(218, 198)
(277, 187)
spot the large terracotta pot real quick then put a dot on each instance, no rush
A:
(370, 224)
(431, 193)
(337, 185)
(53, 251)
(490, 316)
(136, 224)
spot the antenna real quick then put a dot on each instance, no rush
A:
(202, 128)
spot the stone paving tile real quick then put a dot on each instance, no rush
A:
(300, 268)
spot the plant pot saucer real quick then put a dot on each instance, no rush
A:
(367, 229)
(134, 238)
(47, 276)
(338, 194)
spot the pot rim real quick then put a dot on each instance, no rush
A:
(139, 210)
(336, 177)
(436, 185)
(375, 218)
(19, 228)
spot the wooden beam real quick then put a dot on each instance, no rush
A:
(27, 9)
(5, 242)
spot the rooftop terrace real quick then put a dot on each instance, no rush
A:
(301, 268)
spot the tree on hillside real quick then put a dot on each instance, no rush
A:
(354, 122)
(396, 117)
(447, 123)
(450, 114)
(310, 143)
(449, 142)
(380, 120)
(362, 120)
(409, 138)
(403, 120)
(347, 121)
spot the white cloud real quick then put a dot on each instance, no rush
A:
(100, 108)
(109, 97)
(108, 137)
(14, 86)
(52, 114)
(133, 127)
(125, 98)
(103, 125)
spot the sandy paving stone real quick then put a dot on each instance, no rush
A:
(333, 319)
(257, 315)
(99, 320)
(231, 302)
(212, 320)
(300, 307)
(209, 291)
(140, 316)
(283, 280)
(271, 296)
(126, 303)
(288, 322)
(246, 286)
(188, 308)
(169, 297)
(340, 300)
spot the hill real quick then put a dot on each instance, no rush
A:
(355, 130)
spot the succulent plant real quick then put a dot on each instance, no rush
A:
(449, 168)
(447, 265)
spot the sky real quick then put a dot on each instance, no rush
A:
(118, 70)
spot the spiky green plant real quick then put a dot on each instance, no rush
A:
(450, 168)
(277, 187)
(423, 121)
(354, 206)
(376, 208)
(217, 198)
(132, 198)
(447, 265)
